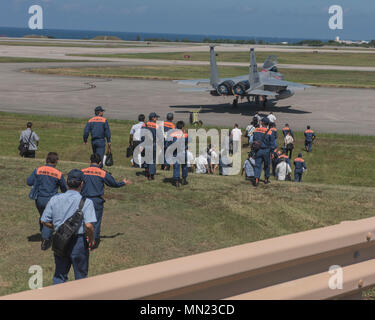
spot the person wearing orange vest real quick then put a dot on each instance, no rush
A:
(99, 129)
(309, 138)
(300, 167)
(94, 179)
(167, 128)
(155, 130)
(180, 141)
(46, 181)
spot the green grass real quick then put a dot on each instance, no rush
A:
(25, 60)
(325, 58)
(71, 45)
(336, 78)
(152, 221)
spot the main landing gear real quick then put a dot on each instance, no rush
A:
(235, 103)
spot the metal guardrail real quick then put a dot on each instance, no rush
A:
(289, 267)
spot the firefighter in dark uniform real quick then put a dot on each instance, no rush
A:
(309, 138)
(180, 140)
(45, 182)
(167, 128)
(94, 179)
(150, 147)
(287, 129)
(99, 129)
(299, 168)
(264, 137)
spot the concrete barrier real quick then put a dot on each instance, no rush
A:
(289, 267)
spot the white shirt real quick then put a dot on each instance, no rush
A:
(271, 118)
(282, 170)
(189, 158)
(136, 131)
(214, 157)
(250, 130)
(201, 163)
(236, 134)
(25, 135)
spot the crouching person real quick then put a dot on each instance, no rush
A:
(248, 167)
(59, 209)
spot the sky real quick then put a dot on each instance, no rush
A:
(268, 18)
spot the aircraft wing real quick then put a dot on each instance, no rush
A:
(193, 82)
(195, 90)
(260, 92)
(282, 83)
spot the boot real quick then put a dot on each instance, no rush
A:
(267, 181)
(256, 182)
(184, 182)
(176, 183)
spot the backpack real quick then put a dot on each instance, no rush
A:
(24, 146)
(64, 236)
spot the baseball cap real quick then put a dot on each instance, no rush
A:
(153, 115)
(99, 109)
(75, 175)
(265, 120)
(170, 116)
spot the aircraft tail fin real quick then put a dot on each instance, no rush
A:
(214, 72)
(253, 71)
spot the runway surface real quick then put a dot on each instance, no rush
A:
(325, 109)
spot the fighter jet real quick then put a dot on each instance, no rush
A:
(260, 86)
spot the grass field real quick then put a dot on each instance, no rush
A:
(152, 221)
(25, 60)
(324, 58)
(335, 78)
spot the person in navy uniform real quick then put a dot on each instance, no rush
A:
(46, 181)
(309, 138)
(287, 129)
(299, 168)
(94, 179)
(99, 129)
(58, 210)
(167, 128)
(264, 136)
(150, 147)
(180, 140)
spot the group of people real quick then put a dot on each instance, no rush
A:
(88, 183)
(264, 151)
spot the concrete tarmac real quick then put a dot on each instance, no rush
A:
(327, 110)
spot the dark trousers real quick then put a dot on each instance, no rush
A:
(308, 146)
(78, 256)
(262, 157)
(297, 176)
(98, 146)
(41, 204)
(176, 171)
(29, 154)
(98, 206)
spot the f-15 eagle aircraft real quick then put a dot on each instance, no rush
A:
(268, 83)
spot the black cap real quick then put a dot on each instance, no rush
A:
(153, 115)
(99, 109)
(300, 155)
(170, 116)
(265, 120)
(75, 175)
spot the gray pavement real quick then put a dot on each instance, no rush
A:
(325, 109)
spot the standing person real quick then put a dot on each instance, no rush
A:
(214, 164)
(299, 168)
(60, 208)
(248, 167)
(30, 140)
(180, 139)
(151, 125)
(167, 128)
(289, 144)
(236, 137)
(309, 138)
(249, 132)
(275, 154)
(287, 129)
(46, 181)
(94, 179)
(257, 118)
(190, 160)
(271, 117)
(283, 171)
(99, 129)
(135, 137)
(263, 139)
